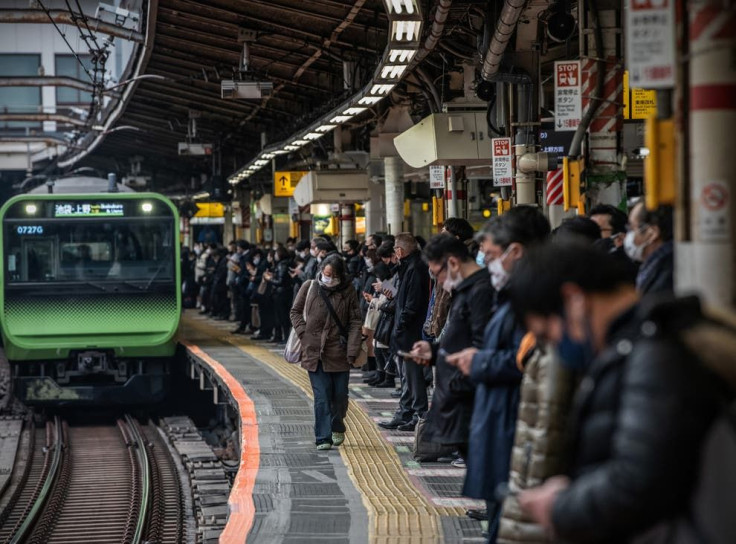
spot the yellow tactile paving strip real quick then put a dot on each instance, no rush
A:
(397, 512)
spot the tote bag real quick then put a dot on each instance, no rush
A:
(293, 349)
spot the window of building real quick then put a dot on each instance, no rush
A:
(68, 65)
(20, 99)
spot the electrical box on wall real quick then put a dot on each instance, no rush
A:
(332, 186)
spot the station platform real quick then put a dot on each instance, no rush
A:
(367, 490)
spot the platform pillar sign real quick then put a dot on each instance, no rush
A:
(650, 43)
(436, 177)
(285, 182)
(503, 173)
(568, 98)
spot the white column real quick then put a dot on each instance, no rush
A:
(347, 223)
(394, 168)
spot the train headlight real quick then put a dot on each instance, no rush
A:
(31, 209)
(147, 207)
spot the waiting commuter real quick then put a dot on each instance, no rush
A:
(578, 227)
(493, 370)
(281, 293)
(328, 348)
(352, 259)
(612, 222)
(412, 299)
(385, 373)
(471, 307)
(220, 301)
(641, 411)
(649, 241)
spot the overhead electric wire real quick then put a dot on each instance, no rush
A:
(48, 14)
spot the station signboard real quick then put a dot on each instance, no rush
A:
(650, 43)
(503, 173)
(568, 95)
(285, 182)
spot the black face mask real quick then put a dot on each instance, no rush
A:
(605, 244)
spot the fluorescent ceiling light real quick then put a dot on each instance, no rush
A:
(401, 55)
(325, 128)
(405, 30)
(370, 100)
(340, 119)
(281, 151)
(401, 6)
(313, 135)
(268, 156)
(382, 89)
(291, 147)
(261, 162)
(301, 142)
(393, 71)
(354, 111)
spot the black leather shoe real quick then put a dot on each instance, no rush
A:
(408, 427)
(396, 394)
(238, 331)
(387, 384)
(261, 337)
(393, 424)
(480, 515)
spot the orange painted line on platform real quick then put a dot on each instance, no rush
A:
(240, 502)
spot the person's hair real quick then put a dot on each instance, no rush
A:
(543, 270)
(524, 225)
(616, 217)
(388, 238)
(381, 271)
(325, 237)
(459, 227)
(385, 250)
(291, 240)
(324, 245)
(352, 244)
(421, 242)
(377, 239)
(256, 251)
(242, 244)
(337, 265)
(271, 253)
(406, 241)
(282, 253)
(372, 254)
(301, 245)
(442, 246)
(661, 217)
(582, 228)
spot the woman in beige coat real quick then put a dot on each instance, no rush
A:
(328, 348)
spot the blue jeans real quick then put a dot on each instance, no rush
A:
(330, 402)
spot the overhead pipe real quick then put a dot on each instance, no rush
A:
(596, 99)
(41, 117)
(43, 81)
(63, 17)
(505, 27)
(442, 10)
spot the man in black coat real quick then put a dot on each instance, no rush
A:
(642, 408)
(649, 241)
(412, 300)
(471, 308)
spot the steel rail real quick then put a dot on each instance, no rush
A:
(140, 444)
(48, 483)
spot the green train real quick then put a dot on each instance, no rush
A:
(91, 296)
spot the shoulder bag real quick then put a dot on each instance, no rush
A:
(293, 348)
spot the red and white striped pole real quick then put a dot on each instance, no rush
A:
(712, 169)
(554, 197)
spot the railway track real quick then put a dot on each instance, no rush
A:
(113, 484)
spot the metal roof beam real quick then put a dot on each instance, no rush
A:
(44, 81)
(63, 17)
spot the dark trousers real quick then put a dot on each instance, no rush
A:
(242, 309)
(413, 403)
(282, 307)
(330, 402)
(494, 519)
(382, 359)
(265, 310)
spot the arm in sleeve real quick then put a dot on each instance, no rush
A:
(297, 309)
(355, 330)
(417, 299)
(498, 366)
(481, 312)
(663, 414)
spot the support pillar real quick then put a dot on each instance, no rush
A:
(347, 223)
(708, 264)
(394, 172)
(227, 229)
(524, 142)
(452, 187)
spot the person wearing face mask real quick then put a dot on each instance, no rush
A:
(649, 241)
(492, 369)
(641, 411)
(330, 344)
(471, 307)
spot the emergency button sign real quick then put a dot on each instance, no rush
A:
(502, 169)
(568, 97)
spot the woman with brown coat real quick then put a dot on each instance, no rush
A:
(328, 348)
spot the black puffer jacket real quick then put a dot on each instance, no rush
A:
(639, 418)
(282, 281)
(412, 300)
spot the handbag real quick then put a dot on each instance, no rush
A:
(262, 287)
(293, 348)
(362, 356)
(426, 451)
(371, 316)
(385, 326)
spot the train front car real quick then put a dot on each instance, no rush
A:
(91, 296)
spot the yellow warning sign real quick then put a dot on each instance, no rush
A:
(284, 182)
(638, 103)
(210, 209)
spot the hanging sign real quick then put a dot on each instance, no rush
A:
(650, 43)
(285, 182)
(638, 103)
(568, 97)
(502, 162)
(436, 177)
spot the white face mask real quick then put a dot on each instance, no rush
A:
(499, 276)
(256, 260)
(451, 282)
(634, 251)
(313, 252)
(302, 254)
(369, 263)
(480, 259)
(328, 282)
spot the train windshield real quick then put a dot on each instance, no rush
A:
(126, 251)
